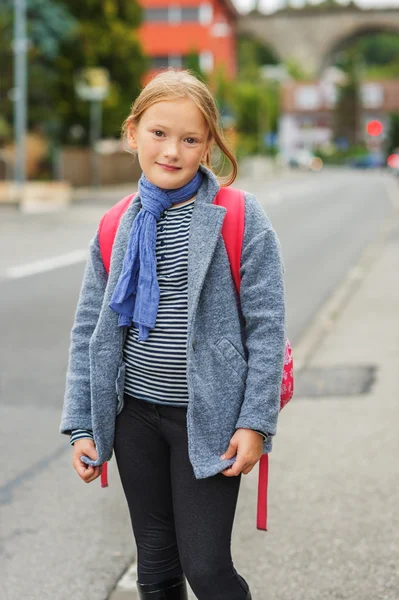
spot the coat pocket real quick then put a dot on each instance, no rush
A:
(120, 387)
(232, 357)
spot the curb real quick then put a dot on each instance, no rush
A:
(333, 307)
(125, 588)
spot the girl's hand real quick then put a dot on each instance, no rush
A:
(85, 447)
(248, 445)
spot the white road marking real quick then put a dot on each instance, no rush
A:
(46, 264)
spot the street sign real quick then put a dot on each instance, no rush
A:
(92, 84)
(374, 128)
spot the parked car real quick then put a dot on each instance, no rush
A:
(367, 161)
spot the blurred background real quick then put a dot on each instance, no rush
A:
(303, 83)
(309, 100)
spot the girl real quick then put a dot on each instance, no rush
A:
(168, 366)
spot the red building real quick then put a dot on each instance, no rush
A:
(171, 31)
(308, 108)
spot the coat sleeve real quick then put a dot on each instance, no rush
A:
(76, 412)
(262, 298)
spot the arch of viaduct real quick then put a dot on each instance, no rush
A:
(312, 37)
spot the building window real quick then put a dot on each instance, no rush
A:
(159, 62)
(205, 14)
(163, 62)
(307, 97)
(206, 61)
(372, 95)
(173, 14)
(220, 30)
(190, 14)
(175, 61)
(156, 15)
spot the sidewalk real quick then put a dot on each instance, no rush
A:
(334, 492)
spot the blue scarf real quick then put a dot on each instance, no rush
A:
(136, 295)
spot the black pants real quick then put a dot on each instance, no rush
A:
(181, 524)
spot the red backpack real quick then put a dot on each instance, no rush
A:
(233, 234)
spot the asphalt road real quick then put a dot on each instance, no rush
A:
(60, 538)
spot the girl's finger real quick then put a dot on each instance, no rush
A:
(96, 471)
(235, 469)
(248, 470)
(227, 472)
(81, 469)
(87, 471)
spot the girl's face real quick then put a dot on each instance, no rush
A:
(171, 139)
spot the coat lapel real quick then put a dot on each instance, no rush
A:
(205, 230)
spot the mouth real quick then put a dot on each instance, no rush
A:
(168, 167)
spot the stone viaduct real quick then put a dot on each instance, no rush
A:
(311, 37)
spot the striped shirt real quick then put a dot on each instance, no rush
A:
(156, 369)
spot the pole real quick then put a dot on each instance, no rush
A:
(95, 134)
(20, 87)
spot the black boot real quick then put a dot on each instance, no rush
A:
(170, 589)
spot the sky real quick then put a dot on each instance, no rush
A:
(272, 5)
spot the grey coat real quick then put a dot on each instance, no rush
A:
(234, 367)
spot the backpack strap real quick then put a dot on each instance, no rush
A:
(106, 236)
(233, 227)
(109, 226)
(233, 235)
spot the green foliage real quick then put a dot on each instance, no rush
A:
(379, 54)
(348, 108)
(379, 48)
(324, 6)
(296, 70)
(251, 54)
(253, 102)
(65, 37)
(192, 63)
(105, 36)
(390, 71)
(393, 133)
(47, 25)
(6, 79)
(256, 108)
(250, 105)
(341, 157)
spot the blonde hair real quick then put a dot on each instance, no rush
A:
(173, 84)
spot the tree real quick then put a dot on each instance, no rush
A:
(47, 25)
(393, 135)
(379, 52)
(251, 54)
(253, 101)
(250, 105)
(347, 115)
(192, 62)
(105, 36)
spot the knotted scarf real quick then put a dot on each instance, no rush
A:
(136, 295)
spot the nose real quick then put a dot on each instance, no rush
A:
(171, 150)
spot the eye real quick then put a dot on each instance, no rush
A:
(191, 141)
(158, 133)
